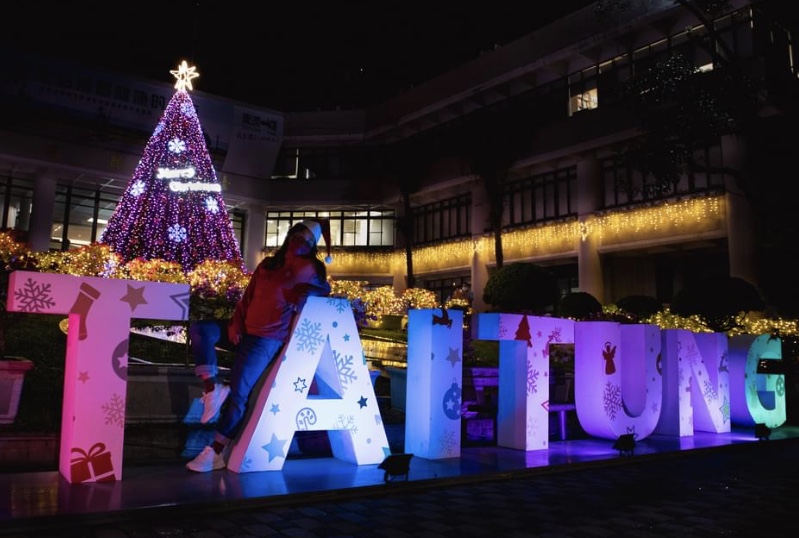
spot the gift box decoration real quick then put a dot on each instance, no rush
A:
(94, 465)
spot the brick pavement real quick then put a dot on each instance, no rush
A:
(739, 490)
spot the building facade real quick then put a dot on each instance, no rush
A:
(70, 139)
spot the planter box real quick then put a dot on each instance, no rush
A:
(398, 379)
(481, 385)
(390, 322)
(12, 376)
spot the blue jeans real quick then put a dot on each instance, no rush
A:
(253, 355)
(203, 337)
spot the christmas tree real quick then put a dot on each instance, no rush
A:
(172, 208)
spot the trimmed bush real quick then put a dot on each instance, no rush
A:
(579, 305)
(720, 302)
(639, 307)
(521, 288)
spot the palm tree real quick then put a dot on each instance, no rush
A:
(406, 164)
(492, 140)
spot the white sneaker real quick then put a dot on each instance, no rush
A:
(206, 461)
(212, 401)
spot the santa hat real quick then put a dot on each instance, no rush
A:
(320, 228)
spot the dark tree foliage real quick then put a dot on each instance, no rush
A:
(579, 305)
(14, 256)
(720, 302)
(639, 307)
(522, 288)
(680, 108)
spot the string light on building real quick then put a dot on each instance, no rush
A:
(583, 230)
(682, 216)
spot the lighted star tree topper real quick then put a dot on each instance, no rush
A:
(173, 208)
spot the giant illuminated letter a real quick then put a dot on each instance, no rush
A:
(324, 344)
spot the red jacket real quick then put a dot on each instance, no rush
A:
(273, 296)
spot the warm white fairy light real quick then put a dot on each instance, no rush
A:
(682, 216)
(584, 231)
(555, 239)
(443, 256)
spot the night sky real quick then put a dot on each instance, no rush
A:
(291, 55)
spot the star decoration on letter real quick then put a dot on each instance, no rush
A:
(362, 402)
(275, 448)
(725, 410)
(134, 297)
(454, 356)
(184, 74)
(299, 385)
(275, 409)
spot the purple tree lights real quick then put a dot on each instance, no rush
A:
(173, 208)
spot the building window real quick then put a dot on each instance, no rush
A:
(443, 220)
(586, 100)
(16, 196)
(583, 93)
(624, 185)
(540, 198)
(288, 163)
(80, 217)
(354, 228)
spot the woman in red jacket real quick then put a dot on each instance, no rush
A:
(261, 323)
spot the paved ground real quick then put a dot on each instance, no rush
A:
(739, 490)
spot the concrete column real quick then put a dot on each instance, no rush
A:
(254, 235)
(589, 265)
(399, 280)
(41, 223)
(741, 239)
(479, 278)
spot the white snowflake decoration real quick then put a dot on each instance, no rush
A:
(309, 336)
(177, 233)
(187, 110)
(346, 372)
(212, 205)
(137, 188)
(177, 145)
